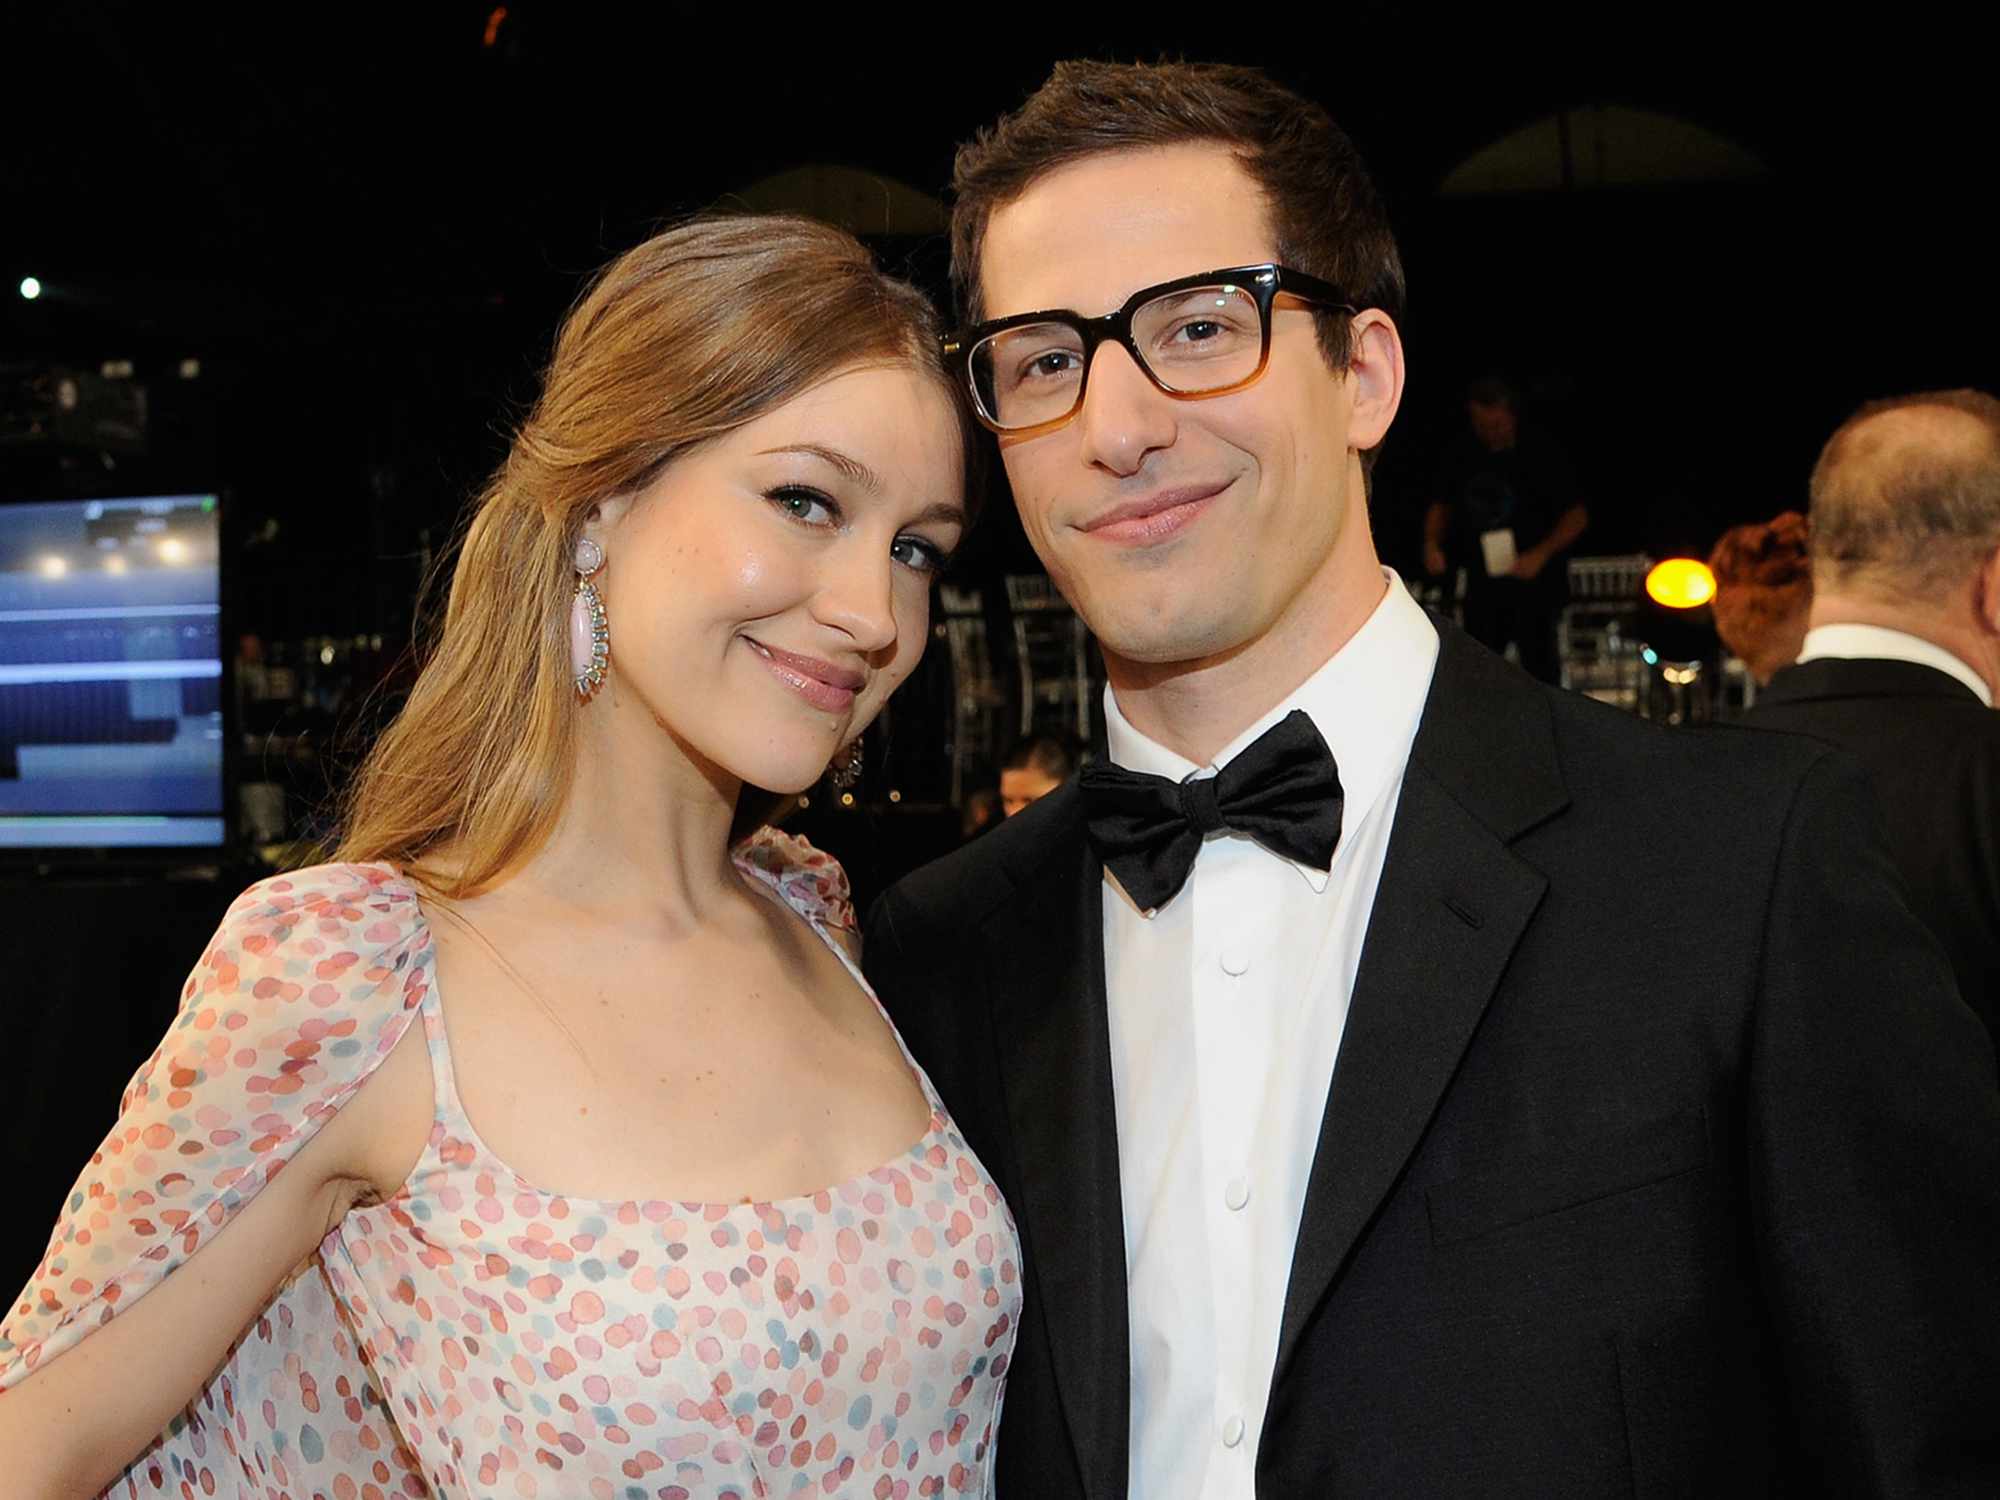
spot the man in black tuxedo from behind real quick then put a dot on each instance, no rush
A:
(1901, 659)
(1409, 1080)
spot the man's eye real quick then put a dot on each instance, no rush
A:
(1047, 366)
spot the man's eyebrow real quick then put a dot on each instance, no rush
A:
(1189, 294)
(853, 468)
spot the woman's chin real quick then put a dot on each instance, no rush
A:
(786, 781)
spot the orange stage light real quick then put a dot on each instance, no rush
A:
(1680, 583)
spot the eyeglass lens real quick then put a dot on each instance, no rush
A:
(1193, 340)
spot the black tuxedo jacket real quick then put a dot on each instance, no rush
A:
(1659, 1156)
(1932, 752)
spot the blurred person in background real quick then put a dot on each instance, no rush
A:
(1763, 590)
(1509, 508)
(1901, 663)
(1033, 769)
(980, 812)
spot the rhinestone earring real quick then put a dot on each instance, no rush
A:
(845, 771)
(589, 635)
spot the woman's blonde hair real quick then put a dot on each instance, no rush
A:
(689, 336)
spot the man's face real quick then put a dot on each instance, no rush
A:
(1493, 425)
(1021, 785)
(1179, 530)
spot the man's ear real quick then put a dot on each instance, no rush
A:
(1986, 592)
(1376, 367)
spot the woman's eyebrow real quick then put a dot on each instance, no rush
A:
(940, 510)
(861, 474)
(852, 467)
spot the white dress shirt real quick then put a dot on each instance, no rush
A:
(1226, 1011)
(1879, 643)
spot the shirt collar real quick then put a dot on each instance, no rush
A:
(1365, 700)
(1880, 643)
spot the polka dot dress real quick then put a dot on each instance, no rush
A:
(479, 1336)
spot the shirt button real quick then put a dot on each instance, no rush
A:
(1232, 1432)
(1236, 1195)
(1235, 961)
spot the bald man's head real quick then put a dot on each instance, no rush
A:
(1906, 497)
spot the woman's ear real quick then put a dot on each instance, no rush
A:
(604, 516)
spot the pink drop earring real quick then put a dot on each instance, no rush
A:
(589, 635)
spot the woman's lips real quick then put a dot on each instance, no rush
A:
(820, 683)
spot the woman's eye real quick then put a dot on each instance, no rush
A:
(802, 504)
(915, 552)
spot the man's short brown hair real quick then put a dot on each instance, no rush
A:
(1325, 213)
(1901, 509)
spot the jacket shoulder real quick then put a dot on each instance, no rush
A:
(1730, 760)
(964, 886)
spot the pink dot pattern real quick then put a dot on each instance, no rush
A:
(478, 1336)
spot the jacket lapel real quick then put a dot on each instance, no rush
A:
(1046, 971)
(1452, 905)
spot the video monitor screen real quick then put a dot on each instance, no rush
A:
(111, 732)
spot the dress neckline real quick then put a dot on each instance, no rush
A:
(446, 1097)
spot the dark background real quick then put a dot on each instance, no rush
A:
(365, 222)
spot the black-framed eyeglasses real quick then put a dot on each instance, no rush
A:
(1195, 336)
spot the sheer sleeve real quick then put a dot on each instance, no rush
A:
(307, 985)
(811, 880)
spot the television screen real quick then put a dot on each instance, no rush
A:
(111, 731)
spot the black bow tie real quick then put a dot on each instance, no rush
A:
(1283, 791)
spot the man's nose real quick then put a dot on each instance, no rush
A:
(1124, 416)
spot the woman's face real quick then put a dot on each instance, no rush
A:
(769, 590)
